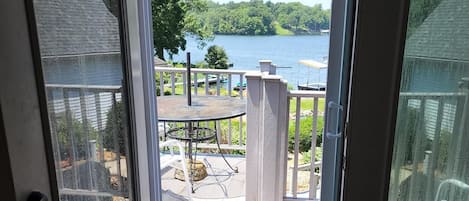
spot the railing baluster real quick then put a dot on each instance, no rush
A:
(218, 84)
(287, 131)
(184, 83)
(435, 151)
(206, 93)
(206, 84)
(84, 120)
(417, 148)
(296, 148)
(241, 131)
(70, 132)
(173, 87)
(115, 135)
(401, 137)
(241, 117)
(230, 130)
(97, 100)
(161, 84)
(241, 89)
(196, 83)
(312, 178)
(55, 141)
(458, 124)
(229, 85)
(218, 122)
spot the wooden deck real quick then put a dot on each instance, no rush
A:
(220, 184)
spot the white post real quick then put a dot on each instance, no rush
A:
(267, 137)
(273, 139)
(253, 115)
(426, 162)
(92, 144)
(267, 66)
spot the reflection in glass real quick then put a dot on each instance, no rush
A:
(431, 145)
(83, 72)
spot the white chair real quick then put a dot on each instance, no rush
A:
(162, 127)
(454, 182)
(167, 160)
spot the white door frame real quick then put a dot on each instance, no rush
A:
(137, 55)
(340, 51)
(138, 24)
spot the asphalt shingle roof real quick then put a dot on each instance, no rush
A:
(76, 27)
(444, 34)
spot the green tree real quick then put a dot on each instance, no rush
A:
(194, 25)
(173, 20)
(216, 57)
(168, 25)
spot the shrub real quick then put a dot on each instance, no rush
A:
(116, 129)
(305, 134)
(307, 155)
(76, 129)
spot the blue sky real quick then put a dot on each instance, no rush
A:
(326, 4)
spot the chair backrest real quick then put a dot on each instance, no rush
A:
(454, 182)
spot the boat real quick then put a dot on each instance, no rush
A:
(319, 86)
(238, 86)
(324, 31)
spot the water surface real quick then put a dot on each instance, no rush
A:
(285, 51)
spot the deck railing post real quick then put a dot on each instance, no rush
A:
(253, 115)
(273, 138)
(267, 66)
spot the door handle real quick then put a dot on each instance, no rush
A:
(331, 106)
(37, 196)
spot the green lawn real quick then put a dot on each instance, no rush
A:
(307, 104)
(279, 30)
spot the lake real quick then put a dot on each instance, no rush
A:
(284, 51)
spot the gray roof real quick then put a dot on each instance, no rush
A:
(444, 34)
(160, 62)
(76, 27)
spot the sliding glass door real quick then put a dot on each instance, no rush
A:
(99, 103)
(431, 152)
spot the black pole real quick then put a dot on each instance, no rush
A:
(189, 93)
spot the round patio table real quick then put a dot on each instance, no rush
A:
(201, 109)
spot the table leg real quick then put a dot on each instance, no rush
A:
(189, 154)
(223, 155)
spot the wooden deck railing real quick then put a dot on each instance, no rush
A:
(425, 122)
(314, 166)
(265, 136)
(84, 146)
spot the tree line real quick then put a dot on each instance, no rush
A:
(258, 18)
(174, 20)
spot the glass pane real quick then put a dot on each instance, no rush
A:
(82, 63)
(431, 156)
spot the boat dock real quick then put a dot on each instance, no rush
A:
(210, 80)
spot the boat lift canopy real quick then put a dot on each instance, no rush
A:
(313, 64)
